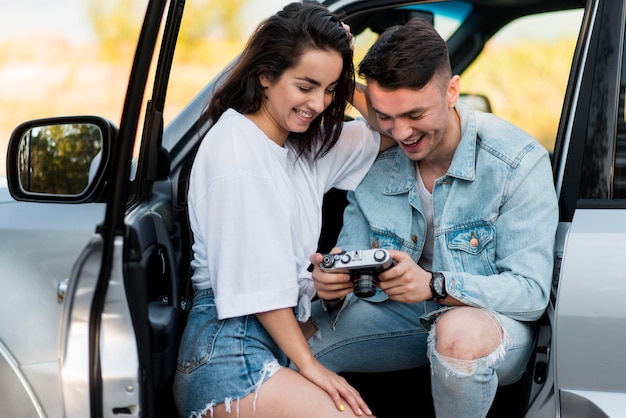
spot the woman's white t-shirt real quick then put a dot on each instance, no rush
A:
(255, 212)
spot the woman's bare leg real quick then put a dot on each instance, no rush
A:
(287, 394)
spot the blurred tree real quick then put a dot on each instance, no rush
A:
(210, 27)
(205, 22)
(56, 159)
(116, 24)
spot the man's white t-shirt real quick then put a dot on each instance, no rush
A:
(255, 212)
(426, 199)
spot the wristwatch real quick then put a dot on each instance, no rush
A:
(438, 286)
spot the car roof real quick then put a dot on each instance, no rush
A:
(496, 9)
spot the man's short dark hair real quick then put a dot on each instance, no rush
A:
(407, 56)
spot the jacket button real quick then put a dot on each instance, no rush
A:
(414, 238)
(375, 243)
(473, 241)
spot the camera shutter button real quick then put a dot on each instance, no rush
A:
(345, 258)
(380, 255)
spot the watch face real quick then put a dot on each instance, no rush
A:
(438, 284)
(438, 287)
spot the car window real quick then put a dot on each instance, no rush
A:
(523, 71)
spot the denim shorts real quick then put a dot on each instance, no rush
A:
(221, 361)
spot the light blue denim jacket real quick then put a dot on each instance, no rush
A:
(499, 190)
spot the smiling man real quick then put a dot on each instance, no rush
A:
(467, 208)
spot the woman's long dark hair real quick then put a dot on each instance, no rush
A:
(277, 45)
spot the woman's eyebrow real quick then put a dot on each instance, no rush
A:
(309, 80)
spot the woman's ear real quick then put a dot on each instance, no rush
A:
(263, 79)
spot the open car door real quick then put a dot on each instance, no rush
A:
(120, 318)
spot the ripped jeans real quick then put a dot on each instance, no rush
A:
(221, 361)
(370, 337)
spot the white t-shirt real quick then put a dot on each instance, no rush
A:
(426, 199)
(255, 212)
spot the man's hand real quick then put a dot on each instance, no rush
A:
(405, 282)
(330, 286)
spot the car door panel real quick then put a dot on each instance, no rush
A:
(38, 245)
(151, 271)
(120, 370)
(32, 272)
(128, 358)
(590, 300)
(74, 332)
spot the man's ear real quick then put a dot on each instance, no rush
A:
(454, 91)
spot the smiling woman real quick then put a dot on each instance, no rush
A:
(267, 145)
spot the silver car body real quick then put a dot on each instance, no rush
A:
(39, 243)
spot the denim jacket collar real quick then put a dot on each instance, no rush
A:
(402, 175)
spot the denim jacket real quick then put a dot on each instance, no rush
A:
(495, 216)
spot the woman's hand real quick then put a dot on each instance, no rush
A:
(281, 324)
(336, 386)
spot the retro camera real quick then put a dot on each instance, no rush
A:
(363, 267)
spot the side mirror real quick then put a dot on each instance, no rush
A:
(60, 160)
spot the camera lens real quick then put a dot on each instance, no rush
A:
(364, 286)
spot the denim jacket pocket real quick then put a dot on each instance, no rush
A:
(472, 248)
